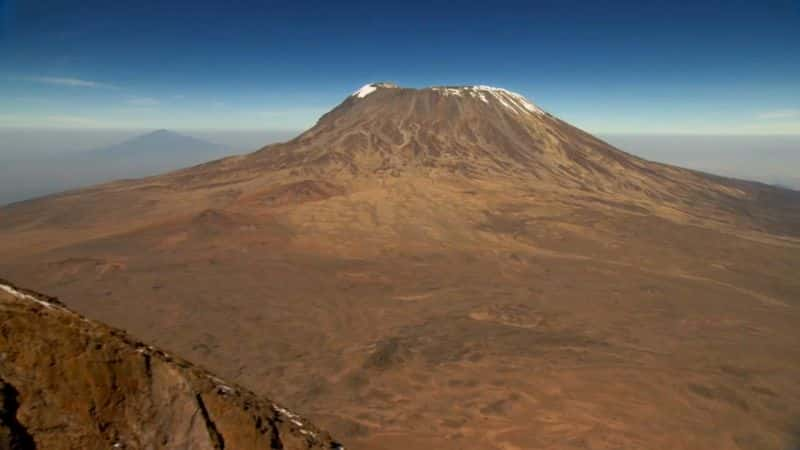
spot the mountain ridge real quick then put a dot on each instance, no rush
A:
(117, 392)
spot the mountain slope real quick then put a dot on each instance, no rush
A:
(73, 383)
(488, 133)
(450, 268)
(464, 135)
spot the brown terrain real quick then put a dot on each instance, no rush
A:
(450, 268)
(69, 382)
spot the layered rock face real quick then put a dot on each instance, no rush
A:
(70, 383)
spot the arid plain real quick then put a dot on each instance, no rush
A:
(450, 268)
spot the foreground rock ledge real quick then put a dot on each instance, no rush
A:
(67, 382)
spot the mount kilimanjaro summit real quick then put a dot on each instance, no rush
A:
(450, 268)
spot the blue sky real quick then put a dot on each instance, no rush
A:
(724, 67)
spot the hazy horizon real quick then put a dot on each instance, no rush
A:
(32, 160)
(27, 142)
(35, 163)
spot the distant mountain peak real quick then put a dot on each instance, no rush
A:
(161, 141)
(151, 153)
(163, 133)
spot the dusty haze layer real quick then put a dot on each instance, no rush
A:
(451, 268)
(37, 162)
(769, 159)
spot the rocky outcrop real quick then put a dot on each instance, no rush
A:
(13, 436)
(67, 382)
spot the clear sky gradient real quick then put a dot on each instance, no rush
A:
(723, 67)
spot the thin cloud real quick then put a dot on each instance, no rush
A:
(70, 82)
(32, 100)
(779, 114)
(54, 120)
(69, 120)
(143, 101)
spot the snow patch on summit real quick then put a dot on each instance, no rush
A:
(365, 91)
(370, 88)
(511, 100)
